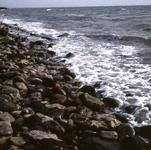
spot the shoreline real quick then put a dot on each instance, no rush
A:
(42, 106)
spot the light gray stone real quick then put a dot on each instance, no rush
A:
(17, 141)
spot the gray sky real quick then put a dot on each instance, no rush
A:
(69, 3)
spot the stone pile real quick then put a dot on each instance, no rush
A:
(42, 106)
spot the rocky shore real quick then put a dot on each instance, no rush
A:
(42, 106)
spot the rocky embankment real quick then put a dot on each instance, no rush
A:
(42, 106)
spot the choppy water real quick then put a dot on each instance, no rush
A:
(112, 47)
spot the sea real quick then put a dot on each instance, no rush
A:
(111, 48)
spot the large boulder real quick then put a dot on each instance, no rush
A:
(92, 102)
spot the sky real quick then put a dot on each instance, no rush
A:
(69, 3)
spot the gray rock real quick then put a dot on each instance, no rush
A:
(82, 110)
(9, 106)
(54, 106)
(125, 129)
(140, 116)
(97, 144)
(6, 117)
(93, 125)
(36, 95)
(70, 109)
(111, 102)
(56, 113)
(13, 92)
(39, 135)
(17, 141)
(109, 135)
(20, 85)
(92, 102)
(5, 128)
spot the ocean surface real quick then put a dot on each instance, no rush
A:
(111, 47)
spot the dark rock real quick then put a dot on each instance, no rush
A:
(69, 55)
(7, 75)
(9, 106)
(71, 139)
(51, 143)
(52, 53)
(36, 43)
(5, 128)
(39, 107)
(19, 79)
(63, 35)
(35, 81)
(36, 95)
(148, 146)
(38, 127)
(92, 102)
(130, 108)
(121, 117)
(48, 82)
(133, 143)
(3, 31)
(17, 141)
(20, 86)
(88, 89)
(5, 116)
(111, 102)
(57, 113)
(32, 121)
(125, 129)
(88, 133)
(58, 90)
(78, 119)
(84, 111)
(65, 71)
(144, 131)
(59, 98)
(97, 144)
(140, 116)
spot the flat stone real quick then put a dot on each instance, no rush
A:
(5, 128)
(39, 135)
(109, 135)
(5, 116)
(17, 141)
(20, 85)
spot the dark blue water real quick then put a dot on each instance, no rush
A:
(111, 47)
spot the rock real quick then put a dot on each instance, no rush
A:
(36, 95)
(109, 135)
(17, 141)
(6, 117)
(3, 31)
(20, 86)
(65, 71)
(39, 107)
(59, 98)
(140, 116)
(9, 106)
(121, 117)
(69, 55)
(68, 78)
(39, 135)
(88, 133)
(5, 128)
(71, 139)
(32, 121)
(23, 62)
(92, 102)
(3, 140)
(125, 129)
(93, 125)
(78, 119)
(35, 81)
(144, 131)
(19, 79)
(133, 143)
(97, 144)
(50, 144)
(56, 114)
(55, 106)
(48, 82)
(111, 102)
(52, 53)
(13, 92)
(7, 75)
(82, 110)
(88, 89)
(70, 109)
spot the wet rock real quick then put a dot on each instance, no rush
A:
(32, 121)
(59, 98)
(20, 85)
(65, 71)
(52, 53)
(56, 114)
(23, 62)
(88, 133)
(13, 92)
(121, 117)
(69, 55)
(35, 81)
(109, 135)
(140, 116)
(5, 128)
(48, 81)
(97, 144)
(39, 135)
(68, 78)
(3, 31)
(7, 75)
(17, 141)
(92, 102)
(88, 89)
(111, 102)
(134, 142)
(82, 110)
(39, 107)
(125, 129)
(5, 116)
